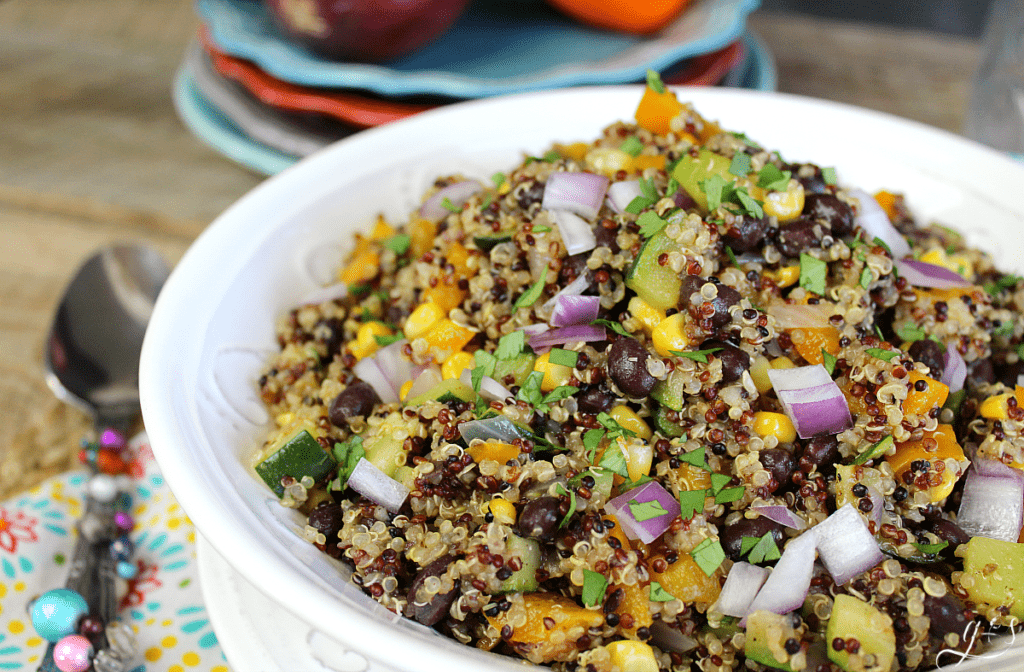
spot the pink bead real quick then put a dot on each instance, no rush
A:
(111, 439)
(124, 521)
(73, 654)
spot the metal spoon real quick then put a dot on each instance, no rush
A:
(92, 361)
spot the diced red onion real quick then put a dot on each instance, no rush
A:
(652, 528)
(740, 589)
(369, 372)
(781, 515)
(577, 233)
(374, 484)
(490, 389)
(571, 310)
(812, 400)
(621, 194)
(986, 466)
(872, 218)
(428, 379)
(992, 506)
(955, 372)
(846, 545)
(923, 274)
(798, 316)
(457, 194)
(338, 290)
(574, 288)
(581, 193)
(670, 639)
(788, 584)
(395, 365)
(499, 427)
(534, 329)
(573, 334)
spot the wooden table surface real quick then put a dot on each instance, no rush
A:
(91, 151)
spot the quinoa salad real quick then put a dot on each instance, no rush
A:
(664, 400)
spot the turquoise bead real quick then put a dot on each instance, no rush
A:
(127, 570)
(55, 613)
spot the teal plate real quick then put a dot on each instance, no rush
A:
(219, 132)
(488, 52)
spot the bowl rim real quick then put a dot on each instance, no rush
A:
(246, 221)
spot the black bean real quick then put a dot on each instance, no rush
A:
(796, 237)
(434, 609)
(683, 200)
(819, 454)
(606, 238)
(595, 400)
(814, 183)
(746, 234)
(734, 360)
(395, 314)
(1007, 374)
(946, 614)
(540, 517)
(356, 399)
(334, 335)
(690, 284)
(727, 297)
(327, 519)
(732, 536)
(929, 353)
(780, 464)
(946, 530)
(573, 267)
(979, 372)
(530, 194)
(827, 208)
(627, 366)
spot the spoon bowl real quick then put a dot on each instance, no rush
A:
(92, 353)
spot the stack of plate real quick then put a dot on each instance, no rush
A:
(266, 102)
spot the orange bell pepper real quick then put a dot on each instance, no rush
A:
(809, 342)
(656, 110)
(921, 402)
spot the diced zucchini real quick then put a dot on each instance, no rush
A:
(994, 573)
(519, 367)
(691, 171)
(853, 618)
(523, 580)
(485, 243)
(656, 284)
(452, 389)
(760, 626)
(299, 456)
(386, 453)
(669, 392)
(665, 426)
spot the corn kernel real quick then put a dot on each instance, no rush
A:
(630, 655)
(503, 510)
(645, 313)
(456, 364)
(783, 205)
(994, 408)
(555, 375)
(669, 335)
(783, 363)
(759, 373)
(774, 424)
(422, 319)
(957, 263)
(628, 419)
(785, 276)
(364, 266)
(381, 229)
(608, 160)
(403, 391)
(365, 343)
(285, 419)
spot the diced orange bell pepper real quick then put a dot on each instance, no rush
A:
(645, 161)
(920, 402)
(693, 478)
(446, 338)
(445, 294)
(421, 236)
(709, 130)
(810, 341)
(364, 266)
(685, 580)
(564, 612)
(381, 229)
(576, 151)
(935, 446)
(493, 450)
(888, 202)
(458, 257)
(636, 602)
(618, 532)
(656, 110)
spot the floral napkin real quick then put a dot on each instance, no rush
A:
(163, 603)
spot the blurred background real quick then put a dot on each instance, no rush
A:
(955, 17)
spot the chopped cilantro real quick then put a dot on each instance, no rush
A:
(557, 394)
(476, 376)
(498, 179)
(642, 511)
(882, 244)
(613, 460)
(648, 197)
(348, 455)
(719, 481)
(530, 296)
(447, 204)
(659, 594)
(696, 355)
(719, 192)
(732, 256)
(813, 273)
(486, 203)
(654, 82)
(878, 332)
(729, 495)
(866, 278)
(713, 188)
(773, 179)
(591, 441)
(1004, 329)
(530, 391)
(910, 332)
(874, 451)
(691, 502)
(398, 243)
(486, 361)
(884, 355)
(696, 458)
(594, 585)
(1004, 282)
(650, 223)
(931, 549)
(829, 361)
(740, 165)
(572, 504)
(613, 427)
(359, 289)
(954, 400)
(828, 174)
(672, 186)
(541, 228)
(383, 340)
(708, 555)
(760, 549)
(1020, 350)
(747, 543)
(551, 156)
(614, 326)
(632, 146)
(563, 357)
(510, 345)
(750, 204)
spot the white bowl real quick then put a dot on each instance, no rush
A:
(212, 328)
